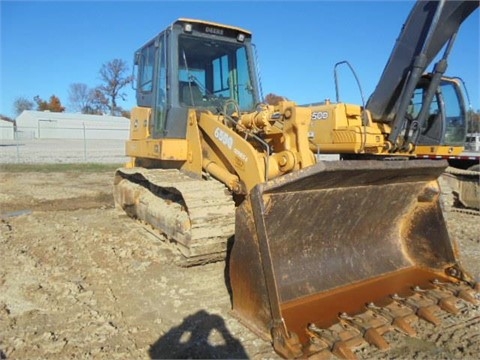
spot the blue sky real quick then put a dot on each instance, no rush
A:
(46, 46)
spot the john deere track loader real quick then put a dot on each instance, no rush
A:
(210, 163)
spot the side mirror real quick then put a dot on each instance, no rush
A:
(136, 62)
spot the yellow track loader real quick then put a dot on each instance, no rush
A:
(313, 242)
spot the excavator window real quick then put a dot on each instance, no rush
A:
(190, 93)
(221, 69)
(445, 122)
(146, 64)
(160, 108)
(213, 71)
(456, 124)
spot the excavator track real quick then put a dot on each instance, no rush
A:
(378, 329)
(465, 185)
(197, 215)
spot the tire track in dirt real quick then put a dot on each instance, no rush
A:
(80, 279)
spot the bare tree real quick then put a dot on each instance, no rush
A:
(20, 104)
(115, 78)
(97, 102)
(78, 97)
(274, 99)
(474, 121)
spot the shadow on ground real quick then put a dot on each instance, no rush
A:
(199, 336)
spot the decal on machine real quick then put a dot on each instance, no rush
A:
(224, 138)
(319, 115)
(213, 30)
(240, 155)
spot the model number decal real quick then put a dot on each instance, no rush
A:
(240, 155)
(224, 138)
(319, 115)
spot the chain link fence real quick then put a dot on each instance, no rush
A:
(29, 150)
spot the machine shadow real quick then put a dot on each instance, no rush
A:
(199, 336)
(226, 270)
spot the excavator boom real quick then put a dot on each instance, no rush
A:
(429, 27)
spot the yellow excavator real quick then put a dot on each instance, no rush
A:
(310, 243)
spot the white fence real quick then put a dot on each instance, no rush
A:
(41, 151)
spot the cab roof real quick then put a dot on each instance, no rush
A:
(204, 22)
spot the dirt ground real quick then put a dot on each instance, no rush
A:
(79, 279)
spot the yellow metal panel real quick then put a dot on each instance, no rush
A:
(439, 150)
(353, 110)
(238, 156)
(159, 149)
(140, 123)
(344, 136)
(194, 155)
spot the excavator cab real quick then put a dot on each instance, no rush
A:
(430, 127)
(446, 121)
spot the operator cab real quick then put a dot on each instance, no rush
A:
(446, 123)
(195, 64)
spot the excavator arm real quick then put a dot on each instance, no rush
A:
(430, 26)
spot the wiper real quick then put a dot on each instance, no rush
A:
(190, 77)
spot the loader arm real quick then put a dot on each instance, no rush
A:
(252, 147)
(229, 157)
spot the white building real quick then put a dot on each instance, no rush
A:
(52, 125)
(6, 129)
(473, 142)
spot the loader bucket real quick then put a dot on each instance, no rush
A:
(333, 237)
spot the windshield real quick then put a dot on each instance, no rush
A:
(212, 71)
(445, 123)
(456, 126)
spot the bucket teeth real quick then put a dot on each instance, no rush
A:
(448, 304)
(329, 341)
(339, 339)
(352, 332)
(375, 338)
(468, 296)
(371, 326)
(423, 307)
(318, 349)
(400, 316)
(428, 313)
(349, 333)
(444, 299)
(461, 291)
(341, 350)
(403, 325)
